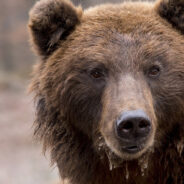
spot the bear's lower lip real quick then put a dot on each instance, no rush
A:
(131, 149)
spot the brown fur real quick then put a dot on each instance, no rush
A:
(173, 10)
(50, 21)
(75, 112)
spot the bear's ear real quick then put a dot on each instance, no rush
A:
(51, 21)
(172, 11)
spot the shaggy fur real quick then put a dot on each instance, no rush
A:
(51, 21)
(98, 63)
(173, 11)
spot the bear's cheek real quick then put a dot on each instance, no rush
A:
(168, 101)
(81, 104)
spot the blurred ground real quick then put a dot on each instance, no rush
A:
(21, 159)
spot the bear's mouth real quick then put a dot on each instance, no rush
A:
(131, 149)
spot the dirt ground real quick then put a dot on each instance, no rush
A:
(21, 158)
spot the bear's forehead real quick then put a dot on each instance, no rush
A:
(104, 44)
(116, 24)
(116, 51)
(124, 17)
(138, 20)
(126, 32)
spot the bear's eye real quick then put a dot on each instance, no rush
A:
(96, 74)
(154, 71)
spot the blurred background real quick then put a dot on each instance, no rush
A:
(21, 158)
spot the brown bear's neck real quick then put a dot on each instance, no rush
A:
(82, 165)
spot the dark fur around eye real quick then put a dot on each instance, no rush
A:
(97, 73)
(154, 71)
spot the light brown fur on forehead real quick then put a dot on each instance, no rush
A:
(126, 18)
(122, 17)
(113, 48)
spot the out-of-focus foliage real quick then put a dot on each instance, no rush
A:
(15, 55)
(88, 3)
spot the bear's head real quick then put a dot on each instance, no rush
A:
(110, 79)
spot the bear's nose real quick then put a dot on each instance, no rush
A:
(133, 125)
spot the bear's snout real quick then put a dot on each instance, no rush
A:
(132, 128)
(128, 123)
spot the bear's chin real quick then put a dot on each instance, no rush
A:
(117, 158)
(118, 161)
(117, 155)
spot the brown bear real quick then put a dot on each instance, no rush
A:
(109, 90)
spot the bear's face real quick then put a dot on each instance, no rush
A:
(114, 73)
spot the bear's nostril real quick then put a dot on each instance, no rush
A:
(143, 124)
(127, 126)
